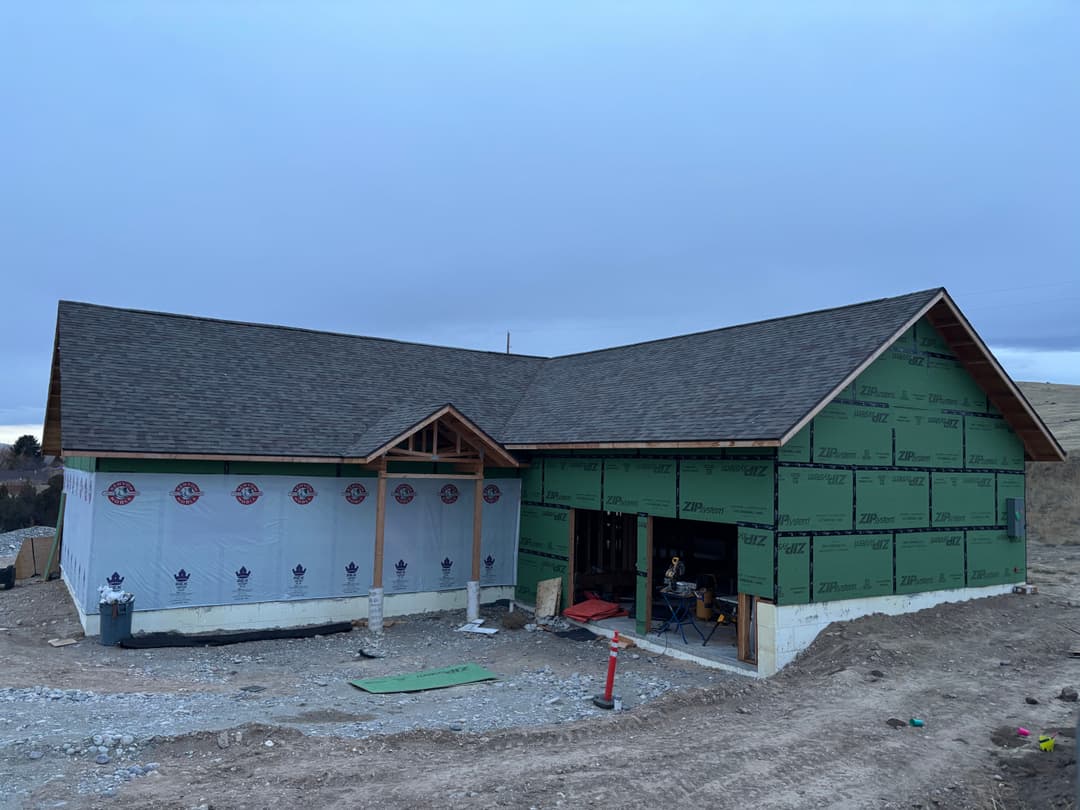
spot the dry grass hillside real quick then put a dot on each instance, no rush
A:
(1053, 490)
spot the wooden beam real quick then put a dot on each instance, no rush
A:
(85, 451)
(649, 589)
(380, 530)
(429, 475)
(477, 527)
(571, 561)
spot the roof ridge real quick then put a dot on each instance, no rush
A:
(231, 322)
(857, 305)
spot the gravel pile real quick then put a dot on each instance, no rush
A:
(10, 542)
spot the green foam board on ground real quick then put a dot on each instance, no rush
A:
(994, 559)
(572, 482)
(426, 679)
(963, 499)
(640, 485)
(793, 570)
(798, 449)
(726, 491)
(532, 479)
(815, 500)
(892, 500)
(851, 566)
(852, 434)
(928, 438)
(756, 561)
(896, 378)
(991, 444)
(1009, 485)
(929, 561)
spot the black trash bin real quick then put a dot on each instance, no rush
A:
(115, 622)
(7, 577)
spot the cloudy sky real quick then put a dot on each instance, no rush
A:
(582, 174)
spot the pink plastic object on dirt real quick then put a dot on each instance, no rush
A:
(1023, 732)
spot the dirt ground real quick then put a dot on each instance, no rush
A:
(817, 735)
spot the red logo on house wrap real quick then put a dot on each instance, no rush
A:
(186, 493)
(303, 493)
(492, 494)
(449, 493)
(403, 493)
(355, 493)
(121, 492)
(247, 493)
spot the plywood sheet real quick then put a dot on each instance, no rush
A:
(572, 482)
(640, 485)
(851, 566)
(929, 561)
(963, 499)
(793, 570)
(815, 499)
(756, 563)
(727, 491)
(852, 434)
(547, 596)
(887, 499)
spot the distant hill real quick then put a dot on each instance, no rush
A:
(1053, 489)
(1059, 406)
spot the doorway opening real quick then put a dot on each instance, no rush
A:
(604, 557)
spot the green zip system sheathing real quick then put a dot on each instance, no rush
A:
(544, 550)
(898, 486)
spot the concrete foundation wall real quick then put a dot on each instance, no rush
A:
(268, 615)
(786, 630)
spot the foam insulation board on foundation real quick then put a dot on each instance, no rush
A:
(793, 570)
(815, 500)
(929, 561)
(727, 491)
(994, 559)
(640, 485)
(572, 482)
(891, 500)
(852, 566)
(756, 566)
(963, 499)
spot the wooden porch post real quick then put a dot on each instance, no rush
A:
(472, 608)
(375, 596)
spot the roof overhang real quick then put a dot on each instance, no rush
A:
(50, 433)
(980, 363)
(720, 443)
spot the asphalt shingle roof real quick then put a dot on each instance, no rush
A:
(157, 383)
(742, 383)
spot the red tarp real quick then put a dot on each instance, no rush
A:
(592, 610)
